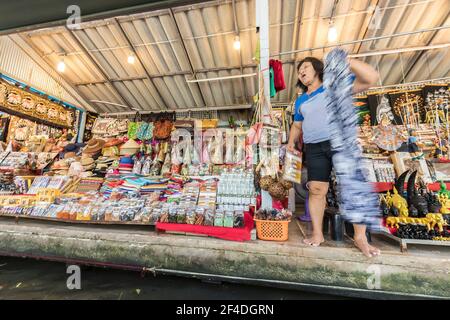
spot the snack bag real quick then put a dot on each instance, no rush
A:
(292, 170)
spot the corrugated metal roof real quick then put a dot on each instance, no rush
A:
(15, 63)
(195, 41)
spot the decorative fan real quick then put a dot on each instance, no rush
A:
(387, 137)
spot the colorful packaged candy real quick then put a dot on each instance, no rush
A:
(292, 170)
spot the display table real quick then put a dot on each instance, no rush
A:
(387, 186)
(234, 234)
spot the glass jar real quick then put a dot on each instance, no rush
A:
(181, 215)
(218, 219)
(228, 220)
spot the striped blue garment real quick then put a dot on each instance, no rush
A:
(358, 201)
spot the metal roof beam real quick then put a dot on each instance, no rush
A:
(183, 44)
(213, 108)
(429, 42)
(169, 74)
(19, 38)
(158, 97)
(401, 34)
(94, 62)
(366, 24)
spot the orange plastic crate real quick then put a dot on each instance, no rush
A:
(272, 230)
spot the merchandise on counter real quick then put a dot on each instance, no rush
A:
(7, 183)
(88, 185)
(274, 215)
(236, 191)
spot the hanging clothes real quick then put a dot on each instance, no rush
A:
(358, 200)
(273, 91)
(278, 74)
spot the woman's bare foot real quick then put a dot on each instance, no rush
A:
(368, 250)
(315, 240)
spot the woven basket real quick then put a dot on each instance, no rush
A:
(272, 230)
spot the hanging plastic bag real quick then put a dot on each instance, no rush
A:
(240, 148)
(273, 92)
(292, 170)
(229, 145)
(176, 154)
(167, 165)
(278, 75)
(147, 166)
(187, 159)
(217, 151)
(137, 168)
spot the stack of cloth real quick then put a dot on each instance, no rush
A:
(154, 185)
(89, 184)
(126, 165)
(111, 182)
(175, 185)
(143, 185)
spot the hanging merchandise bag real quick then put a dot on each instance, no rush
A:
(273, 91)
(122, 126)
(101, 125)
(147, 166)
(240, 147)
(278, 75)
(133, 127)
(162, 129)
(141, 131)
(229, 145)
(284, 128)
(148, 135)
(138, 164)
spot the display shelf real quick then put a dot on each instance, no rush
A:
(387, 186)
(90, 222)
(404, 242)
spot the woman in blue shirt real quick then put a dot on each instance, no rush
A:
(310, 122)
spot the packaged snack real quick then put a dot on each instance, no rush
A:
(164, 218)
(292, 170)
(115, 216)
(228, 220)
(154, 216)
(218, 218)
(238, 219)
(209, 217)
(173, 215)
(181, 215)
(191, 216)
